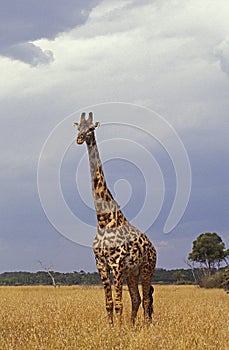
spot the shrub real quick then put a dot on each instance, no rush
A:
(214, 281)
(226, 279)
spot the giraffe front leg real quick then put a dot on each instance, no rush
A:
(118, 281)
(105, 278)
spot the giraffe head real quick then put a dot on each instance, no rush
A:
(85, 128)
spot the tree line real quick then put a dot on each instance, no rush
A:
(161, 276)
(85, 278)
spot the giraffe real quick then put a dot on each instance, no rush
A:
(119, 247)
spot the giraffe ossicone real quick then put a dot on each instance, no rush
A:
(119, 247)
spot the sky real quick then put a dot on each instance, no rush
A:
(156, 76)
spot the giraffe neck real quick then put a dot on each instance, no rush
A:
(107, 210)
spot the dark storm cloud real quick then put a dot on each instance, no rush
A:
(22, 22)
(29, 53)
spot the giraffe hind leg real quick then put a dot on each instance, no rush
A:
(147, 303)
(132, 282)
(147, 290)
(146, 273)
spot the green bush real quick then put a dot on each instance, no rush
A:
(226, 279)
(214, 281)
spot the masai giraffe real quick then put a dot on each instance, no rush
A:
(119, 247)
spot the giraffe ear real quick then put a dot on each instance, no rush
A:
(97, 124)
(75, 124)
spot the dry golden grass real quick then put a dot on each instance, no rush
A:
(185, 317)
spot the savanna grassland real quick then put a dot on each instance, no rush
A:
(185, 317)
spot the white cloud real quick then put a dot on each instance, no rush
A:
(164, 55)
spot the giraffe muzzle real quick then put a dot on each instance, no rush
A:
(79, 140)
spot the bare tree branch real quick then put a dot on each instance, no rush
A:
(49, 273)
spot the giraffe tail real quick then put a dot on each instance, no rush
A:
(151, 290)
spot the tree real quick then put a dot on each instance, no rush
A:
(209, 251)
(178, 276)
(226, 256)
(50, 273)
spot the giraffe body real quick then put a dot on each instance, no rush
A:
(119, 247)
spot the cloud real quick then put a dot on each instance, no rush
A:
(222, 53)
(26, 21)
(29, 53)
